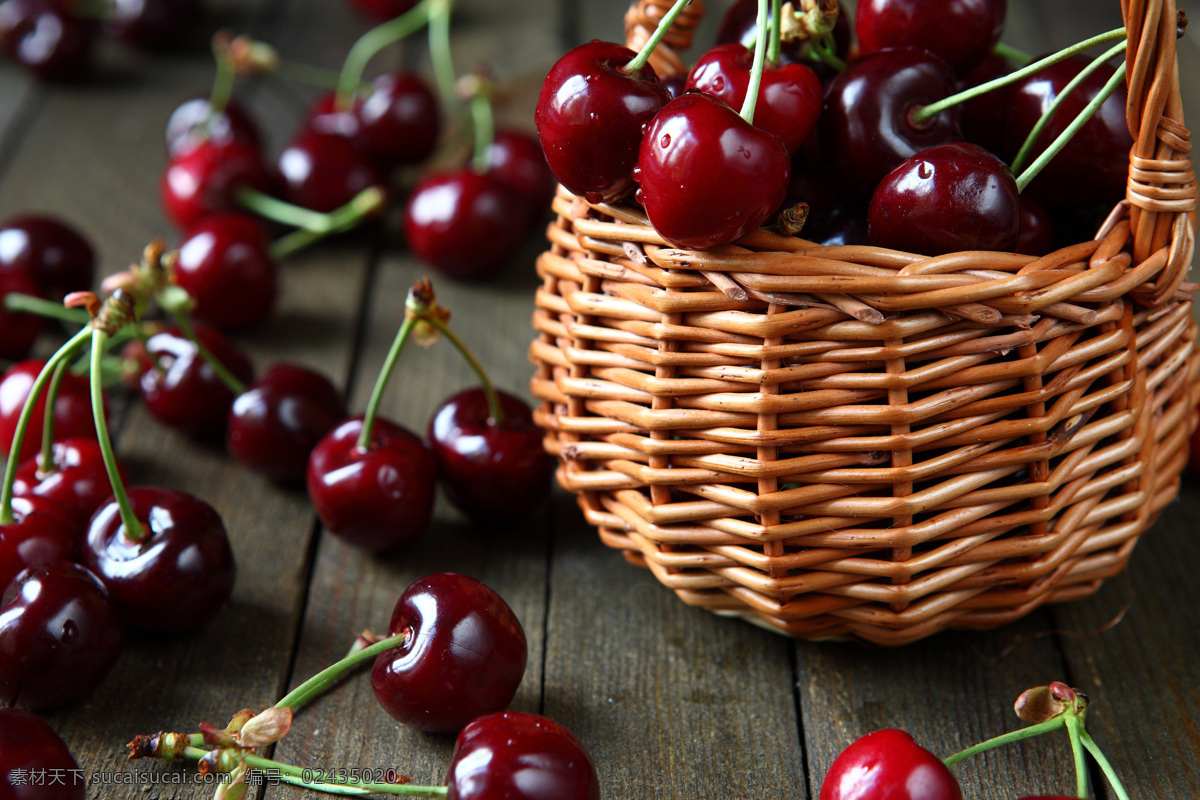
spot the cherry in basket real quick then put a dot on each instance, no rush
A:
(962, 32)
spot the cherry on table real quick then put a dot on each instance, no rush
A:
(41, 530)
(59, 636)
(322, 172)
(193, 121)
(961, 31)
(274, 425)
(18, 330)
(512, 755)
(206, 178)
(888, 763)
(58, 257)
(45, 39)
(225, 265)
(72, 408)
(27, 745)
(515, 158)
(77, 480)
(379, 498)
(399, 119)
(463, 655)
(174, 579)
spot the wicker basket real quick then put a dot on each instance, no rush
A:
(857, 443)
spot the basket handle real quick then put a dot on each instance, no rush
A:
(641, 21)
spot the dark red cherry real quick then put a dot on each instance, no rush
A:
(493, 473)
(154, 25)
(176, 578)
(193, 122)
(29, 745)
(983, 116)
(41, 530)
(948, 198)
(1036, 237)
(789, 99)
(1093, 168)
(465, 224)
(326, 118)
(181, 390)
(381, 10)
(45, 39)
(59, 636)
(740, 25)
(463, 655)
(321, 171)
(77, 481)
(58, 257)
(708, 177)
(590, 117)
(225, 264)
(865, 127)
(274, 425)
(72, 407)
(961, 31)
(377, 499)
(516, 756)
(515, 158)
(399, 119)
(888, 764)
(18, 330)
(205, 179)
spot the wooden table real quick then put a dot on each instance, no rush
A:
(672, 702)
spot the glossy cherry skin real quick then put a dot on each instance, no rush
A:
(154, 25)
(205, 180)
(185, 393)
(193, 122)
(59, 636)
(18, 331)
(948, 198)
(41, 530)
(399, 119)
(78, 481)
(175, 579)
(789, 99)
(382, 10)
(706, 176)
(865, 130)
(378, 499)
(274, 425)
(58, 257)
(492, 473)
(72, 407)
(888, 765)
(225, 264)
(321, 172)
(515, 158)
(28, 744)
(45, 39)
(465, 224)
(512, 755)
(464, 655)
(590, 117)
(1093, 167)
(961, 31)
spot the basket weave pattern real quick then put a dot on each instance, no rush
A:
(851, 442)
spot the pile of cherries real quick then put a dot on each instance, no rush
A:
(875, 137)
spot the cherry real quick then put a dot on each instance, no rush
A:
(181, 389)
(515, 158)
(379, 498)
(888, 765)
(322, 172)
(77, 480)
(590, 117)
(463, 655)
(154, 25)
(399, 119)
(326, 118)
(58, 257)
(865, 129)
(194, 121)
(961, 31)
(465, 224)
(492, 472)
(948, 198)
(225, 265)
(72, 407)
(983, 116)
(740, 25)
(41, 530)
(45, 39)
(206, 178)
(178, 576)
(382, 10)
(59, 636)
(18, 330)
(1036, 237)
(789, 99)
(28, 745)
(274, 424)
(706, 176)
(511, 755)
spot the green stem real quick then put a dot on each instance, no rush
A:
(775, 42)
(441, 55)
(389, 364)
(372, 42)
(1026, 177)
(277, 210)
(365, 204)
(312, 75)
(825, 51)
(1105, 766)
(483, 121)
(1006, 738)
(923, 115)
(760, 53)
(322, 680)
(222, 88)
(231, 381)
(39, 384)
(495, 409)
(1010, 53)
(643, 57)
(1027, 147)
(134, 530)
(29, 304)
(1074, 725)
(46, 460)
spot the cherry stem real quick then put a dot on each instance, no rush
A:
(643, 57)
(364, 204)
(748, 105)
(775, 42)
(389, 364)
(1105, 766)
(1052, 724)
(1027, 176)
(1010, 53)
(39, 384)
(45, 463)
(315, 76)
(483, 121)
(318, 683)
(495, 409)
(134, 530)
(27, 303)
(222, 372)
(370, 43)
(223, 83)
(440, 53)
(923, 115)
(1081, 782)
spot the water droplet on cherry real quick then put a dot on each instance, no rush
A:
(665, 141)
